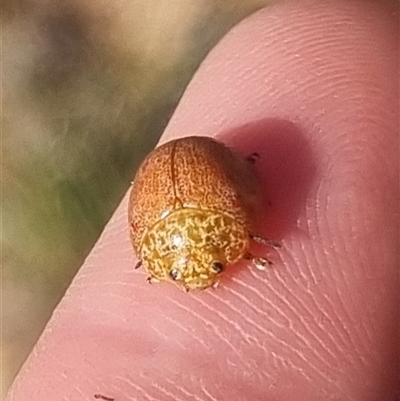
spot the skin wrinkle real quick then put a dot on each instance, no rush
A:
(339, 333)
(162, 390)
(166, 338)
(81, 394)
(340, 249)
(310, 271)
(352, 345)
(283, 344)
(137, 388)
(209, 324)
(238, 329)
(308, 329)
(87, 280)
(203, 388)
(252, 306)
(336, 326)
(302, 338)
(341, 277)
(56, 378)
(262, 374)
(290, 325)
(190, 332)
(98, 312)
(274, 338)
(322, 262)
(182, 390)
(174, 384)
(286, 362)
(369, 351)
(305, 326)
(248, 338)
(333, 307)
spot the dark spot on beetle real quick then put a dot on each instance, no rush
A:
(174, 274)
(217, 266)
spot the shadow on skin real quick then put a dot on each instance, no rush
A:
(286, 168)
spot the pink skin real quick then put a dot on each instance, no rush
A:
(312, 87)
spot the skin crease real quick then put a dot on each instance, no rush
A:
(312, 87)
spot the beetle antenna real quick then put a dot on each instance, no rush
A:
(265, 241)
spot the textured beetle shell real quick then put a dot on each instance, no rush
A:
(196, 173)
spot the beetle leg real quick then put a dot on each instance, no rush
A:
(253, 157)
(151, 280)
(265, 241)
(138, 264)
(259, 262)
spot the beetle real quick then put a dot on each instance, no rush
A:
(191, 211)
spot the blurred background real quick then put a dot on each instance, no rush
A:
(87, 89)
